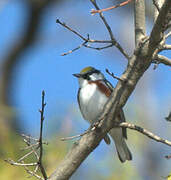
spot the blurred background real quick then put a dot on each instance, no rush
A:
(30, 61)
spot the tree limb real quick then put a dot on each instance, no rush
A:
(157, 4)
(145, 132)
(163, 59)
(162, 21)
(166, 47)
(112, 7)
(139, 20)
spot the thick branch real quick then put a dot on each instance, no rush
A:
(76, 156)
(139, 20)
(160, 26)
(157, 4)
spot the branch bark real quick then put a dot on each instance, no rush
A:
(145, 132)
(163, 59)
(137, 65)
(139, 20)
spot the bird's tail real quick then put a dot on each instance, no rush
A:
(121, 146)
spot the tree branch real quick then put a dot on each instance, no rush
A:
(109, 8)
(139, 21)
(86, 40)
(78, 34)
(98, 48)
(167, 35)
(166, 47)
(41, 136)
(160, 26)
(157, 4)
(163, 59)
(145, 132)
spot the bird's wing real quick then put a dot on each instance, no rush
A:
(78, 97)
(121, 114)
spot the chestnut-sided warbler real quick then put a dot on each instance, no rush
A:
(92, 96)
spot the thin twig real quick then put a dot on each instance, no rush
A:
(29, 137)
(36, 169)
(26, 155)
(145, 132)
(70, 29)
(10, 161)
(40, 137)
(33, 173)
(93, 11)
(30, 146)
(168, 34)
(83, 38)
(76, 136)
(115, 43)
(86, 40)
(115, 77)
(69, 52)
(98, 48)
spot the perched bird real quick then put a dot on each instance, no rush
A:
(92, 96)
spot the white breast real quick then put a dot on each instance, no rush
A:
(91, 102)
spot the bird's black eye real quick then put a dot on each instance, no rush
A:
(86, 76)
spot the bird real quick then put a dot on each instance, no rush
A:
(93, 94)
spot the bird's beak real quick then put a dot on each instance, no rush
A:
(77, 75)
